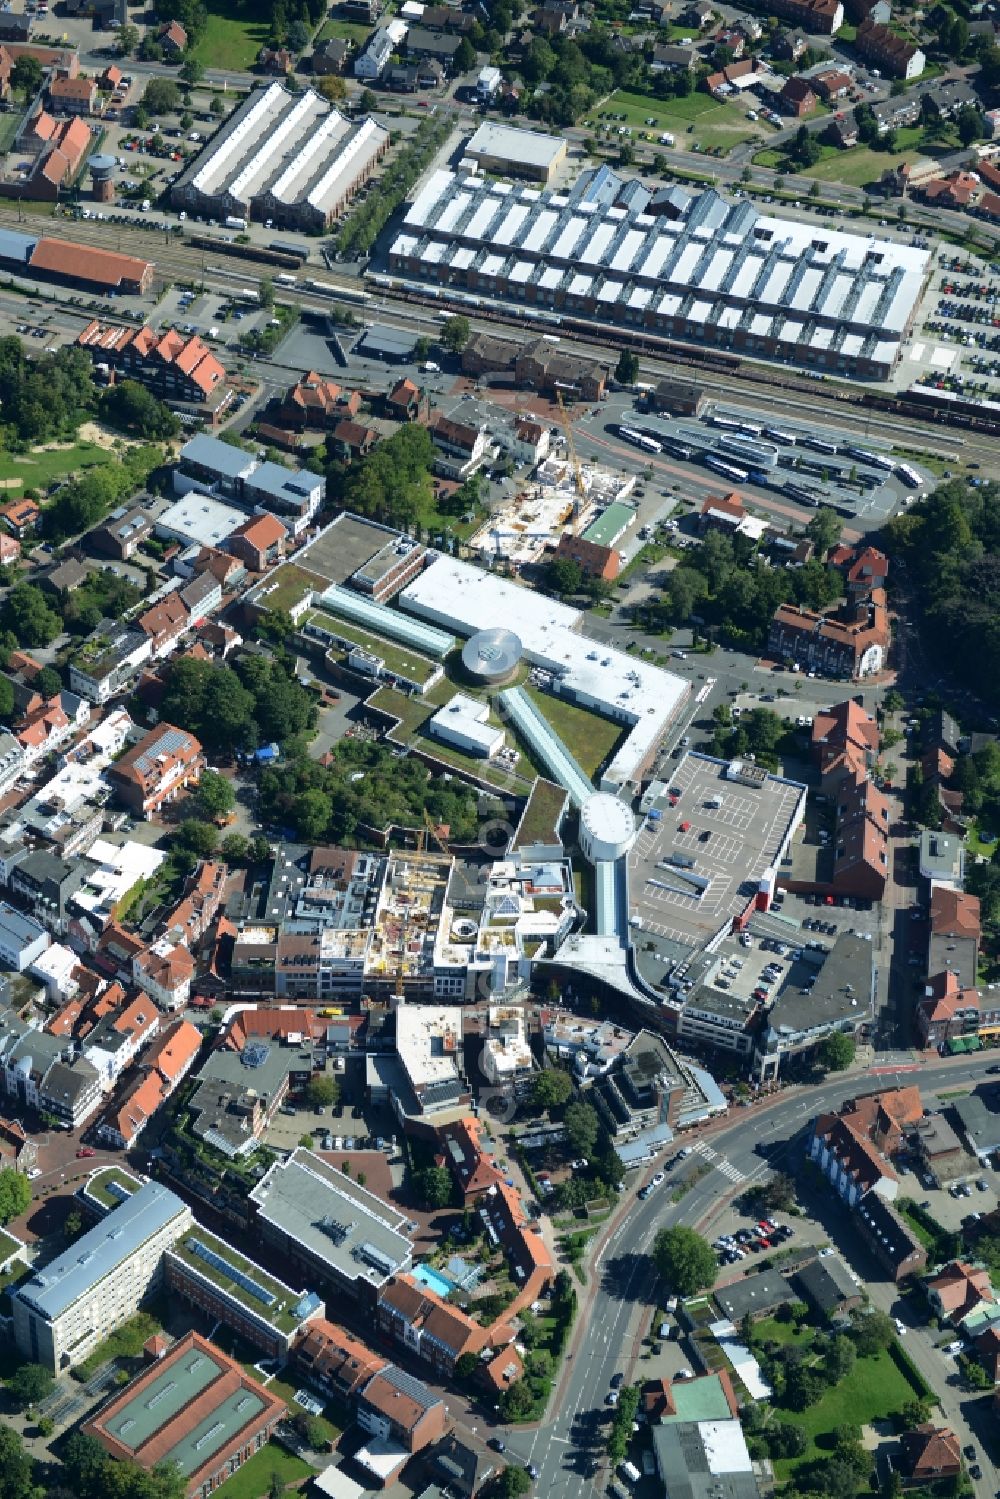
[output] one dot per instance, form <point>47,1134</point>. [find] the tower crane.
<point>571,449</point>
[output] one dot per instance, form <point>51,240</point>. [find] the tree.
<point>685,1260</point>
<point>466,1367</point>
<point>332,87</point>
<point>29,1384</point>
<point>217,107</point>
<point>971,125</point>
<point>161,95</point>
<point>315,1433</point>
<point>132,408</point>
<point>265,291</point>
<point>26,76</point>
<point>16,1467</point>
<point>563,575</point>
<point>581,1124</point>
<point>871,1331</point>
<point>15,1195</point>
<point>433,1186</point>
<point>48,681</point>
<point>191,71</point>
<point>215,795</point>
<point>455,333</point>
<point>516,1481</point>
<point>627,368</point>
<point>804,1385</point>
<point>465,56</point>
<point>823,529</point>
<point>200,839</point>
<point>839,1359</point>
<point>72,1226</point>
<point>322,1091</point>
<point>128,40</point>
<point>836,1052</point>
<point>235,848</point>
<point>551,1088</point>
<point>26,613</point>
<point>367,101</point>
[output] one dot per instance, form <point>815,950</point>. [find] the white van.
<point>630,1471</point>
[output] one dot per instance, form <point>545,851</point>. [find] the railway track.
<point>176,260</point>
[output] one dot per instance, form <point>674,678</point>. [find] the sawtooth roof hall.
<point>714,272</point>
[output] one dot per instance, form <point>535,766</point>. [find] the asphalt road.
<point>568,1447</point>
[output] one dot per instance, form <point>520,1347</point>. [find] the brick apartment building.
<point>593,560</point>
<point>174,366</point>
<point>164,762</point>
<point>831,645</point>
<point>881,47</point>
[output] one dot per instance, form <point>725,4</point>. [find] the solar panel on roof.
<point>255,1054</point>
<point>231,1271</point>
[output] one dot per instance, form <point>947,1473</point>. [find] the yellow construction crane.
<point>401,965</point>
<point>571,448</point>
<point>436,835</point>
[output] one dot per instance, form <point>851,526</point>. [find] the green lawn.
<point>875,1389</point>
<point>253,1479</point>
<point>233,34</point>
<point>414,712</point>
<point>861,165</point>
<point>702,120</point>
<point>351,31</point>
<point>40,469</point>
<point>589,738</point>
<point>126,1342</point>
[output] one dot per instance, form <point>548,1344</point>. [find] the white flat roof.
<point>529,147</point>
<point>199,518</point>
<point>635,693</point>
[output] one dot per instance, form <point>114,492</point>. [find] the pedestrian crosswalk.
<point>731,1172</point>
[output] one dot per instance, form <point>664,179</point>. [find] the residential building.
<point>896,56</point>
<point>194,1408</point>
<point>845,743</point>
<point>954,934</point>
<point>850,1163</point>
<point>22,940</point>
<point>815,16</point>
<point>946,1011</point>
<point>466,1154</point>
<point>461,448</point>
<point>165,970</point>
<point>18,1151</point>
<point>930,1453</point>
<point>46,727</point>
<point>829,1287</point>
<point>65,1310</point>
<point>798,98</point>
<point>852,647</point>
<point>108,661</point>
<point>433,1329</point>
<point>593,560</point>
<point>756,1295</point>
<point>831,84</point>
<point>47,884</point>
<point>401,1416</point>
<point>164,624</point>
<point>175,366</point>
<point>21,517</point>
<point>941,859</point>
<point>861,840</point>
<point>330,1358</point>
<point>959,1290</point>
<point>73,96</point>
<point>889,1237</point>
<point>165,1064</point>
<point>163,763</point>
<point>259,542</point>
<point>173,38</point>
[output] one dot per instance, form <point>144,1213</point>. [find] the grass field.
<point>589,738</point>
<point>414,712</point>
<point>253,1479</point>
<point>875,1389</point>
<point>40,469</point>
<point>700,119</point>
<point>233,35</point>
<point>351,31</point>
<point>861,166</point>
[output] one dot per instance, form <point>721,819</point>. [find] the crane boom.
<point>571,447</point>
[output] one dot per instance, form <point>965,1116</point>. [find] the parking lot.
<point>697,865</point>
<point>956,346</point>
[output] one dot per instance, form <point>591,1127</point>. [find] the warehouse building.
<point>506,151</point>
<point>720,273</point>
<point>289,158</point>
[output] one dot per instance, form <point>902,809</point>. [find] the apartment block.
<point>72,1305</point>
<point>152,772</point>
